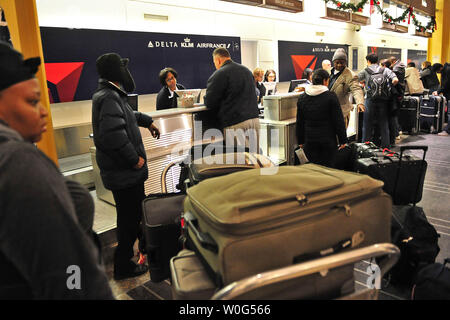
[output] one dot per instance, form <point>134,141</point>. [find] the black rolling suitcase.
<point>162,224</point>
<point>366,150</point>
<point>346,157</point>
<point>406,171</point>
<point>162,231</point>
<point>431,114</point>
<point>408,115</point>
<point>416,238</point>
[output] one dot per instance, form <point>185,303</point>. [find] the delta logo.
<point>300,63</point>
<point>62,80</point>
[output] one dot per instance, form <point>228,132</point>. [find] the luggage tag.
<point>356,239</point>
<point>301,156</point>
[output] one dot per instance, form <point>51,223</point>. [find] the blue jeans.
<point>376,111</point>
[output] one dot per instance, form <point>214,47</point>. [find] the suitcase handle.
<point>403,148</point>
<point>206,241</point>
<point>424,148</point>
<point>164,175</point>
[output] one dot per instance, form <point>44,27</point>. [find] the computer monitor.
<point>298,82</point>
<point>271,88</point>
<point>187,98</point>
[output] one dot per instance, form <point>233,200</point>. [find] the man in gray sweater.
<point>44,251</point>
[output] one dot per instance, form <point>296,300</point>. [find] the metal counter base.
<point>278,140</point>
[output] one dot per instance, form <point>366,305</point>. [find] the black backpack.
<point>432,283</point>
<point>378,87</point>
<point>417,240</point>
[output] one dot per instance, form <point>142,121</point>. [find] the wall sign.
<point>425,34</point>
<point>337,15</point>
<point>295,57</point>
<point>247,2</point>
<point>346,16</point>
<point>360,19</point>
<point>70,56</point>
<point>425,6</point>
<point>385,53</point>
<point>417,56</point>
<point>394,27</point>
<point>293,6</point>
<point>284,5</point>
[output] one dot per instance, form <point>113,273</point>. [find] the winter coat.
<point>117,138</point>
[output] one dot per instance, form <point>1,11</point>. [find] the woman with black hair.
<point>319,121</point>
<point>167,98</point>
<point>270,76</point>
<point>307,74</point>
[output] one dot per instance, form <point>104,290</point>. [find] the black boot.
<point>129,271</point>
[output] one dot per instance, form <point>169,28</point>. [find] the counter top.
<point>174,111</point>
<point>278,122</point>
<point>286,95</point>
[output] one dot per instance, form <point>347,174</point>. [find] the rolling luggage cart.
<point>270,284</point>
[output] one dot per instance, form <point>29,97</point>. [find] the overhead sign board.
<point>361,20</point>
<point>293,6</point>
<point>337,15</point>
<point>284,5</point>
<point>247,2</point>
<point>424,6</point>
<point>394,27</point>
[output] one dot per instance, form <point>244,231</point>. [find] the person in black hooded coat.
<point>120,155</point>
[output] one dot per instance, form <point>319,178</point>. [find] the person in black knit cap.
<point>121,156</point>
<point>45,222</point>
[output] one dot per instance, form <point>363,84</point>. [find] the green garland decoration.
<point>341,5</point>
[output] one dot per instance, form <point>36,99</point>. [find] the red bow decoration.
<point>409,15</point>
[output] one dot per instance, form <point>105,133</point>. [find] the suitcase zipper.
<point>292,212</point>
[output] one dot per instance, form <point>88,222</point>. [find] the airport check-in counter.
<point>178,134</point>
<point>277,141</point>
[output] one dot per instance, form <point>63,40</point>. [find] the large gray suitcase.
<point>257,220</point>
